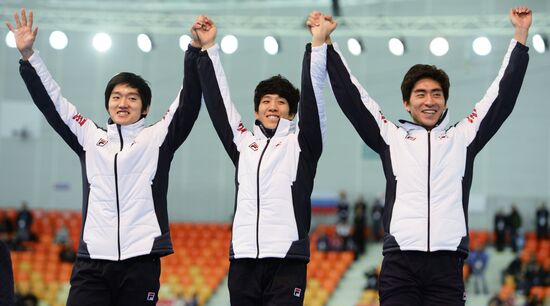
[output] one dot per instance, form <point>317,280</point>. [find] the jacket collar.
<point>439,126</point>
<point>284,128</point>
<point>129,132</point>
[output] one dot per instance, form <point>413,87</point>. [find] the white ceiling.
<point>282,17</point>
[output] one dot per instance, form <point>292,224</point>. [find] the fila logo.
<point>254,146</point>
<point>241,128</point>
<point>444,136</point>
<point>409,137</point>
<point>79,119</point>
<point>297,292</point>
<point>102,142</point>
<point>472,116</point>
<point>151,296</point>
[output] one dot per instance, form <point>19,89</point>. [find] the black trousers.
<point>411,278</point>
<point>6,276</point>
<point>132,282</point>
<point>267,282</point>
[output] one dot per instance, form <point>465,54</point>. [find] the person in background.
<point>359,226</point>
<point>541,218</point>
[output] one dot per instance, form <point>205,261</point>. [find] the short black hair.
<point>419,72</point>
<point>279,85</point>
<point>133,80</point>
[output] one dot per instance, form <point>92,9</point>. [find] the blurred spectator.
<point>505,297</point>
<point>372,279</point>
<point>67,254</point>
<point>542,222</point>
<point>359,225</point>
<point>343,233</point>
<point>500,230</point>
<point>376,214</point>
<point>514,270</point>
<point>6,227</point>
<point>193,300</point>
<point>478,260</point>
<point>25,297</point>
<point>515,228</point>
<point>179,301</point>
<point>62,235</point>
<point>6,276</point>
<point>342,208</point>
<point>23,223</point>
<point>323,242</point>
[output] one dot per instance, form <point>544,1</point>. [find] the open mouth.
<point>429,111</point>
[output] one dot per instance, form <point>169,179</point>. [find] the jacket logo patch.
<point>102,142</point>
<point>150,296</point>
<point>254,146</point>
<point>241,128</point>
<point>79,119</point>
<point>297,292</point>
<point>443,136</point>
<point>472,116</point>
<point>411,138</point>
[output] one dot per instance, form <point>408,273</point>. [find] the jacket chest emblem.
<point>101,142</point>
<point>254,146</point>
<point>410,137</point>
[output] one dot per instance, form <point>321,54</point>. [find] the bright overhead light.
<point>482,46</point>
<point>396,46</point>
<point>58,40</point>
<point>271,45</point>
<point>185,40</point>
<point>439,46</point>
<point>355,46</point>
<point>540,43</point>
<point>102,42</point>
<point>144,43</point>
<point>229,44</point>
<point>10,39</point>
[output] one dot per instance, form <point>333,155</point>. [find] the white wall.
<point>515,165</point>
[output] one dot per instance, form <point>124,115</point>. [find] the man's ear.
<point>407,105</point>
<point>146,111</point>
<point>257,115</point>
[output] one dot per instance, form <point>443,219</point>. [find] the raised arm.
<point>311,113</point>
<point>361,110</point>
<point>499,100</point>
<point>46,94</point>
<point>184,111</point>
<point>225,117</point>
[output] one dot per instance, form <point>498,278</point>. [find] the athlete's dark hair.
<point>279,85</point>
<point>134,81</point>
<point>419,72</point>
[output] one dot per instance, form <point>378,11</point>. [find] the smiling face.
<point>125,105</point>
<point>426,103</point>
<point>272,107</point>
